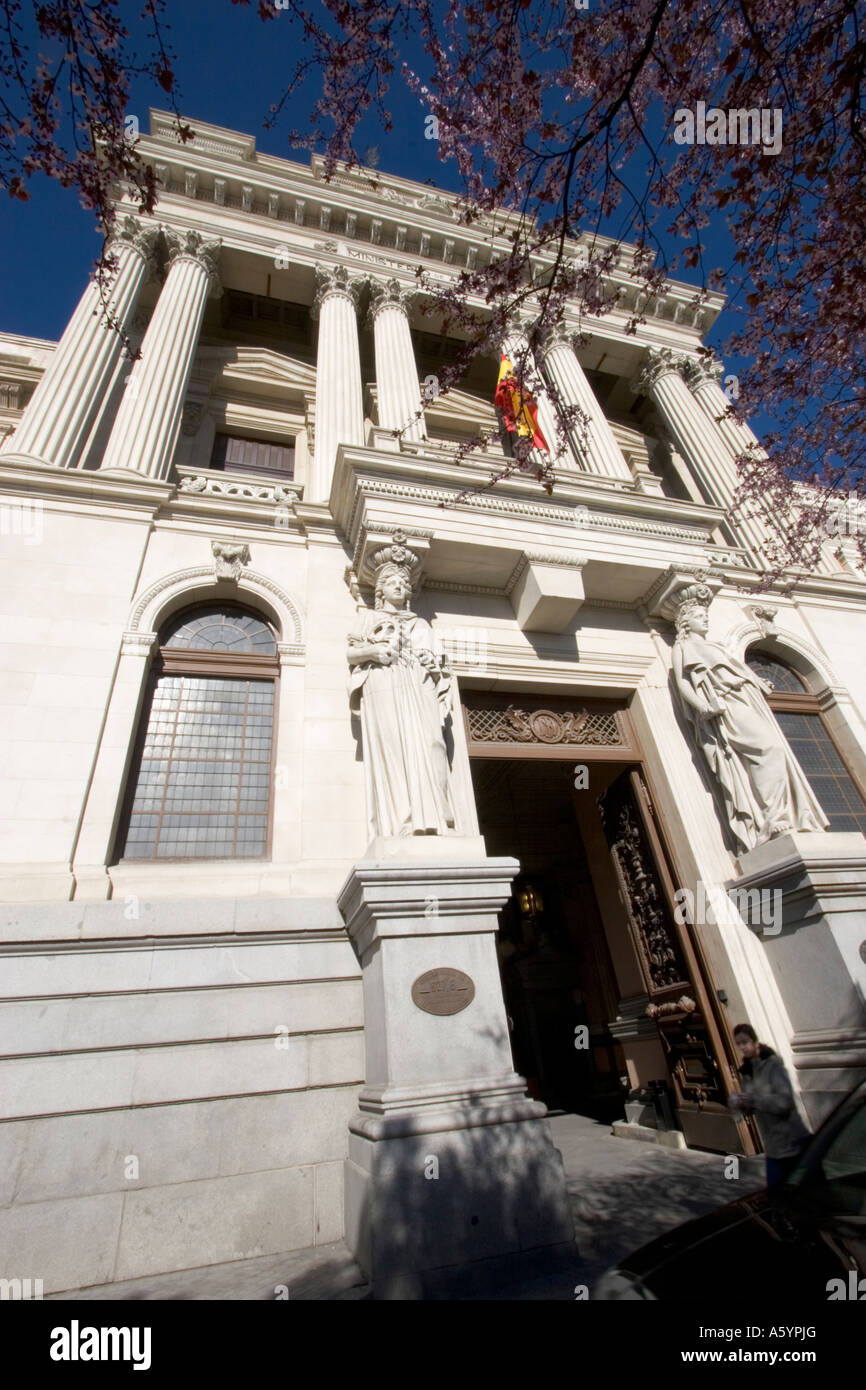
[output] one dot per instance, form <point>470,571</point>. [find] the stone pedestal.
<point>816,947</point>
<point>450,1163</point>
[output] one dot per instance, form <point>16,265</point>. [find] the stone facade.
<point>183,1039</point>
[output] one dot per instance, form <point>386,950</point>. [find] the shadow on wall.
<point>457,1207</point>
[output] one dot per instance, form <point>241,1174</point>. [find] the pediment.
<point>461,406</point>
<point>254,371</point>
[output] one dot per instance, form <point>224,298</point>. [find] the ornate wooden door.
<point>679,996</point>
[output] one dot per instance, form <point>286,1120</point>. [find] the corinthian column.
<point>516,349</point>
<point>702,378</point>
<point>339,404</point>
<point>697,438</point>
<point>62,410</point>
<point>145,431</point>
<point>694,436</point>
<point>396,373</point>
<point>596,447</point>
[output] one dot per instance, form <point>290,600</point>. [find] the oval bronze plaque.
<point>443,991</point>
<point>863,950</point>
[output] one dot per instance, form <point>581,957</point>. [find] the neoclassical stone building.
<point>284,962</point>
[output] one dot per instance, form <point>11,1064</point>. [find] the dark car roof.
<point>777,1235</point>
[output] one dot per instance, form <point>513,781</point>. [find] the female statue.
<point>402,686</point>
<point>764,788</point>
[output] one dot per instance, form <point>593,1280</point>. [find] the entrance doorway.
<point>557,976</point>
<point>603,982</point>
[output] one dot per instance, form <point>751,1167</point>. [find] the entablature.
<point>586,543</point>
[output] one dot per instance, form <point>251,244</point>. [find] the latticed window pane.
<point>827,774</point>
<point>780,676</point>
<point>203,784</point>
<point>223,629</point>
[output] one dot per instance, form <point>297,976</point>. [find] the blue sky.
<point>230,66</point>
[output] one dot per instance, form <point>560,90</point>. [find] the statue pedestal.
<point>450,1163</point>
<point>816,946</point>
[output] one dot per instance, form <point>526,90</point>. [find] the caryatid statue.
<point>401,684</point>
<point>764,788</point>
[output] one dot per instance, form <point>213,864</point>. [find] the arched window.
<point>798,714</point>
<point>201,781</point>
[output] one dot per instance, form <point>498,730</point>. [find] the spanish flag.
<point>519,410</point>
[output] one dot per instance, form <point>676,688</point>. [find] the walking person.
<point>767,1094</point>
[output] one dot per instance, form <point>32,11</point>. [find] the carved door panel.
<point>679,996</point>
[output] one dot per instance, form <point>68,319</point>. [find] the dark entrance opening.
<point>557,976</point>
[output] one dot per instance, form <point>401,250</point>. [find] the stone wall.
<point>177,1088</point>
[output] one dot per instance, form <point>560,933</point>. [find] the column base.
<point>36,883</point>
<point>422,1209</point>
<point>92,883</point>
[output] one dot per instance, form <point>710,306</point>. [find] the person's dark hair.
<point>745,1030</point>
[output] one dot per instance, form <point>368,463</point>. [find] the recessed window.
<point>237,453</point>
<point>781,677</point>
<point>799,716</point>
<point>201,787</point>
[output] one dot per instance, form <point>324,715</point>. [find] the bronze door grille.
<point>553,727</point>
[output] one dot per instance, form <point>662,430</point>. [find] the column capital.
<point>517,324</point>
<point>335,280</point>
<point>193,246</point>
<point>658,362</point>
<point>560,336</point>
<point>698,371</point>
<point>386,294</point>
<point>130,232</point>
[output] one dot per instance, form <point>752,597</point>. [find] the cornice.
<point>90,485</point>
<point>281,194</point>
<point>505,506</point>
<point>228,144</point>
<point>577,672</point>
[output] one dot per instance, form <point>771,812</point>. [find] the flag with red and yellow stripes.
<point>519,409</point>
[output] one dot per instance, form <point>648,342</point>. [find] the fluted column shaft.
<point>399,394</point>
<point>700,444</point>
<point>703,382</point>
<point>145,431</point>
<point>694,436</point>
<point>516,348</point>
<point>596,447</point>
<point>339,401</point>
<point>62,410</point>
